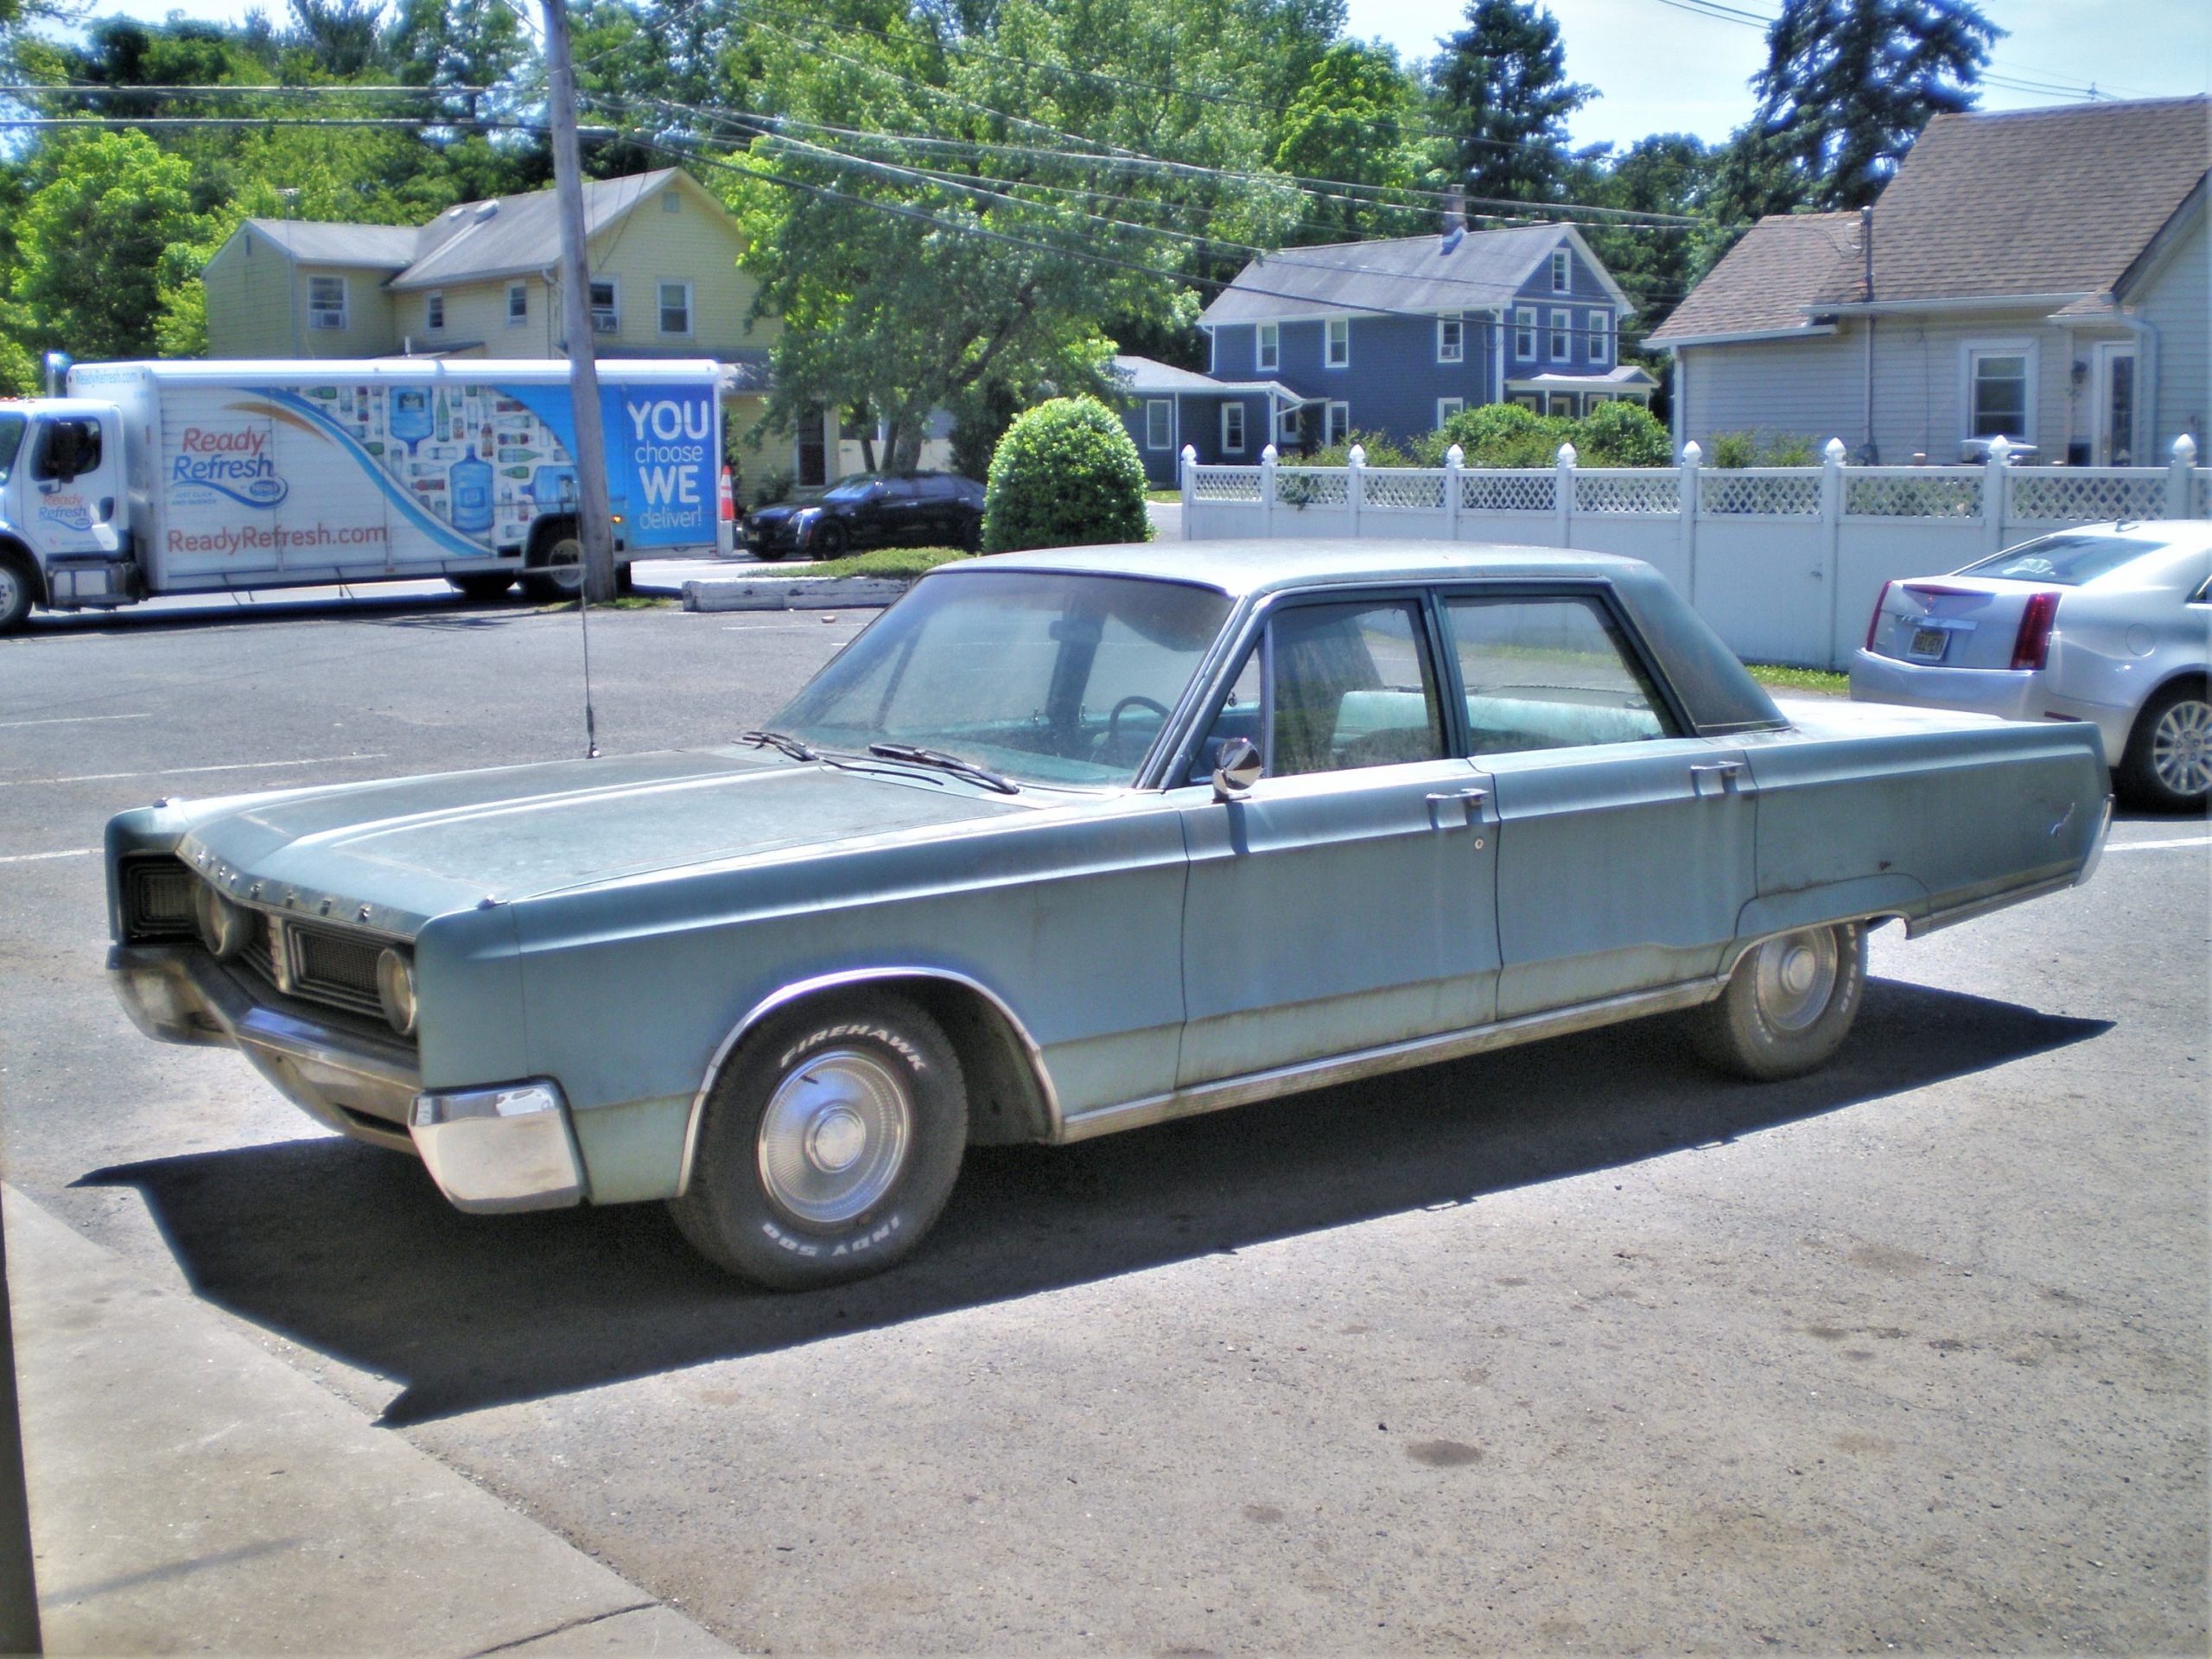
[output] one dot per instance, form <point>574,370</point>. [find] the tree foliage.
<point>1503,89</point>
<point>1066,474</point>
<point>91,238</point>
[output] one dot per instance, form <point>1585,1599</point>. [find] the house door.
<point>2116,389</point>
<point>813,448</point>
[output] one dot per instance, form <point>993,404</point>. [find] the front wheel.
<point>560,574</point>
<point>16,592</point>
<point>2168,763</point>
<point>1789,1005</point>
<point>831,1143</point>
<point>831,540</point>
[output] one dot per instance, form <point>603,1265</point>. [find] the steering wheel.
<point>1114,718</point>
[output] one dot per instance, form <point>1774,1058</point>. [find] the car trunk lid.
<point>1963,622</point>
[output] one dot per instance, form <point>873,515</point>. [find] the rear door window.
<point>1548,672</point>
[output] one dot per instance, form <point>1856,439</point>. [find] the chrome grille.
<point>334,967</point>
<point>157,898</point>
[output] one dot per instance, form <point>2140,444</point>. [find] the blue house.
<point>1224,419</point>
<point>1395,337</point>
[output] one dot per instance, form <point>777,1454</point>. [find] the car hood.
<point>412,848</point>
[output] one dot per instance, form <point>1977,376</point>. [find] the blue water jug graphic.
<point>554,486</point>
<point>410,415</point>
<point>472,493</point>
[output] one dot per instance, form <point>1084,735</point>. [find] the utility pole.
<point>595,527</point>
<point>19,1631</point>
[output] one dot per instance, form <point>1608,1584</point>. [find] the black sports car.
<point>870,509</point>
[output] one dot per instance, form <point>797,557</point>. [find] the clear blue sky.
<point>1661,69</point>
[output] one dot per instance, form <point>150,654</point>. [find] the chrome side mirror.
<point>1236,770</point>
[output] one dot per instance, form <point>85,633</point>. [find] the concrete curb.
<point>794,594</point>
<point>192,1492</point>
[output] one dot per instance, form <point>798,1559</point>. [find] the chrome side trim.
<point>1389,1057</point>
<point>1995,901</point>
<point>850,976</point>
<point>1740,949</point>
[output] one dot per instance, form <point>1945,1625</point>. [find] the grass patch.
<point>1817,681</point>
<point>1165,498</point>
<point>892,563</point>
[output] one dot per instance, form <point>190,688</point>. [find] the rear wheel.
<point>1789,1005</point>
<point>560,574</point>
<point>829,1145</point>
<point>16,589</point>
<point>2168,763</point>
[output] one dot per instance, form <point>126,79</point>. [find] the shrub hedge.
<point>1066,474</point>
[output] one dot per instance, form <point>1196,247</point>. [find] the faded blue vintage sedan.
<point>1078,842</point>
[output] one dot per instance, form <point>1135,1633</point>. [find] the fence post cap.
<point>2184,451</point>
<point>1455,456</point>
<point>1834,452</point>
<point>1567,456</point>
<point>1269,455</point>
<point>2000,450</point>
<point>1691,454</point>
<point>1191,452</point>
<point>1358,456</point>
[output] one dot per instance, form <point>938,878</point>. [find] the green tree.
<point>91,240</point>
<point>1502,84</point>
<point>1354,121</point>
<point>1848,85</point>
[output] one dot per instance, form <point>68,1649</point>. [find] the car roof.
<point>1241,568</point>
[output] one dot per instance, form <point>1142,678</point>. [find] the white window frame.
<point>1562,272</point>
<point>1266,345</point>
<point>434,311</point>
<point>612,311</point>
<point>1524,332</point>
<point>1446,408</point>
<point>1338,427</point>
<point>1563,336</point>
<point>1971,353</point>
<point>661,285</point>
<point>1289,425</point>
<point>1159,423</point>
<point>1232,429</point>
<point>518,315</point>
<point>1452,339</point>
<point>1336,343</point>
<point>320,315</point>
<point>1600,337</point>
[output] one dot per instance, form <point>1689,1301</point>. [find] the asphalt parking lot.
<point>1571,1347</point>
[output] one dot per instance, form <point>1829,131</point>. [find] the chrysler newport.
<point>1077,842</point>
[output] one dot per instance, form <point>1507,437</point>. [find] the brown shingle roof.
<point>1767,279</point>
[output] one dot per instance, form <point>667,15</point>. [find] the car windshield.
<point>11,438</point>
<point>855,488</point>
<point>2068,561</point>
<point>1046,678</point>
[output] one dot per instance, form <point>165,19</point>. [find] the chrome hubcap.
<point>835,1136</point>
<point>1794,975</point>
<point>2181,747</point>
<point>11,590</point>
<point>564,563</point>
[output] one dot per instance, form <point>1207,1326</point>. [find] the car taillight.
<point>1874,622</point>
<point>2032,646</point>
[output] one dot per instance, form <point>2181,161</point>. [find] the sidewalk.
<point>189,1491</point>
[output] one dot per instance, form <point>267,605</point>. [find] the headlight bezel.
<point>224,926</point>
<point>396,990</point>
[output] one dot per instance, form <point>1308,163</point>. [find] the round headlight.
<point>224,927</point>
<point>396,989</point>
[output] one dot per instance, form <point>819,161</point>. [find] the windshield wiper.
<point>944,762</point>
<point>789,746</point>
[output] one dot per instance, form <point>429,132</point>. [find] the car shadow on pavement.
<point>352,1251</point>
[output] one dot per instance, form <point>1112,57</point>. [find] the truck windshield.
<point>1048,679</point>
<point>11,438</point>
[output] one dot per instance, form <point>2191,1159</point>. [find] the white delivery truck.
<point>193,478</point>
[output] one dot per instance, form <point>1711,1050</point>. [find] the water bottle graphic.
<point>472,493</point>
<point>410,415</point>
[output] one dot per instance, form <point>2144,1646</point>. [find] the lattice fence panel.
<point>1517,490</point>
<point>2199,494</point>
<point>1768,494</point>
<point>1403,486</point>
<point>1911,493</point>
<point>1656,490</point>
<point>2085,492</point>
<point>1226,483</point>
<point>1313,486</point>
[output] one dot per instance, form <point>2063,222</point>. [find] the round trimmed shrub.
<point>1066,474</point>
<point>1624,433</point>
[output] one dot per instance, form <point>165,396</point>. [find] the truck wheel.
<point>16,587</point>
<point>560,574</point>
<point>831,1143</point>
<point>2168,762</point>
<point>1789,1005</point>
<point>484,587</point>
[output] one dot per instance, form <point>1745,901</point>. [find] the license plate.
<point>1928,644</point>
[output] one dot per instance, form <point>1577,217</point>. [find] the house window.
<point>1525,331</point>
<point>1268,351</point>
<point>606,305</point>
<point>326,302</point>
<point>1160,424</point>
<point>2000,391</point>
<point>1562,272</point>
<point>1446,408</point>
<point>434,312</point>
<point>1601,336</point>
<point>1290,425</point>
<point>670,201</point>
<point>1232,429</point>
<point>675,308</point>
<point>1340,431</point>
<point>1562,336</point>
<point>1562,404</point>
<point>1451,339</point>
<point>1339,348</point>
<point>517,304</point>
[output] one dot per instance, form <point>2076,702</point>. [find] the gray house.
<point>2042,275</point>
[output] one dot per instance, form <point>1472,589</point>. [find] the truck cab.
<point>64,510</point>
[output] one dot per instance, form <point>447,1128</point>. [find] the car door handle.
<point>1721,777</point>
<point>1457,809</point>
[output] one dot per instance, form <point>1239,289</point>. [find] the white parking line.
<point>181,771</point>
<point>33,858</point>
<point>69,719</point>
<point>2156,846</point>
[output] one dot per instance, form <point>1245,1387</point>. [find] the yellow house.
<point>481,280</point>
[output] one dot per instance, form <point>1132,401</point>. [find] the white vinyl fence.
<point>1784,562</point>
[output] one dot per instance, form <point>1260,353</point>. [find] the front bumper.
<point>483,1159</point>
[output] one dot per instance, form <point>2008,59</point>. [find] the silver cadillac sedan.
<point>2109,624</point>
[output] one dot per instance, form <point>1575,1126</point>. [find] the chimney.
<point>1455,217</point>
